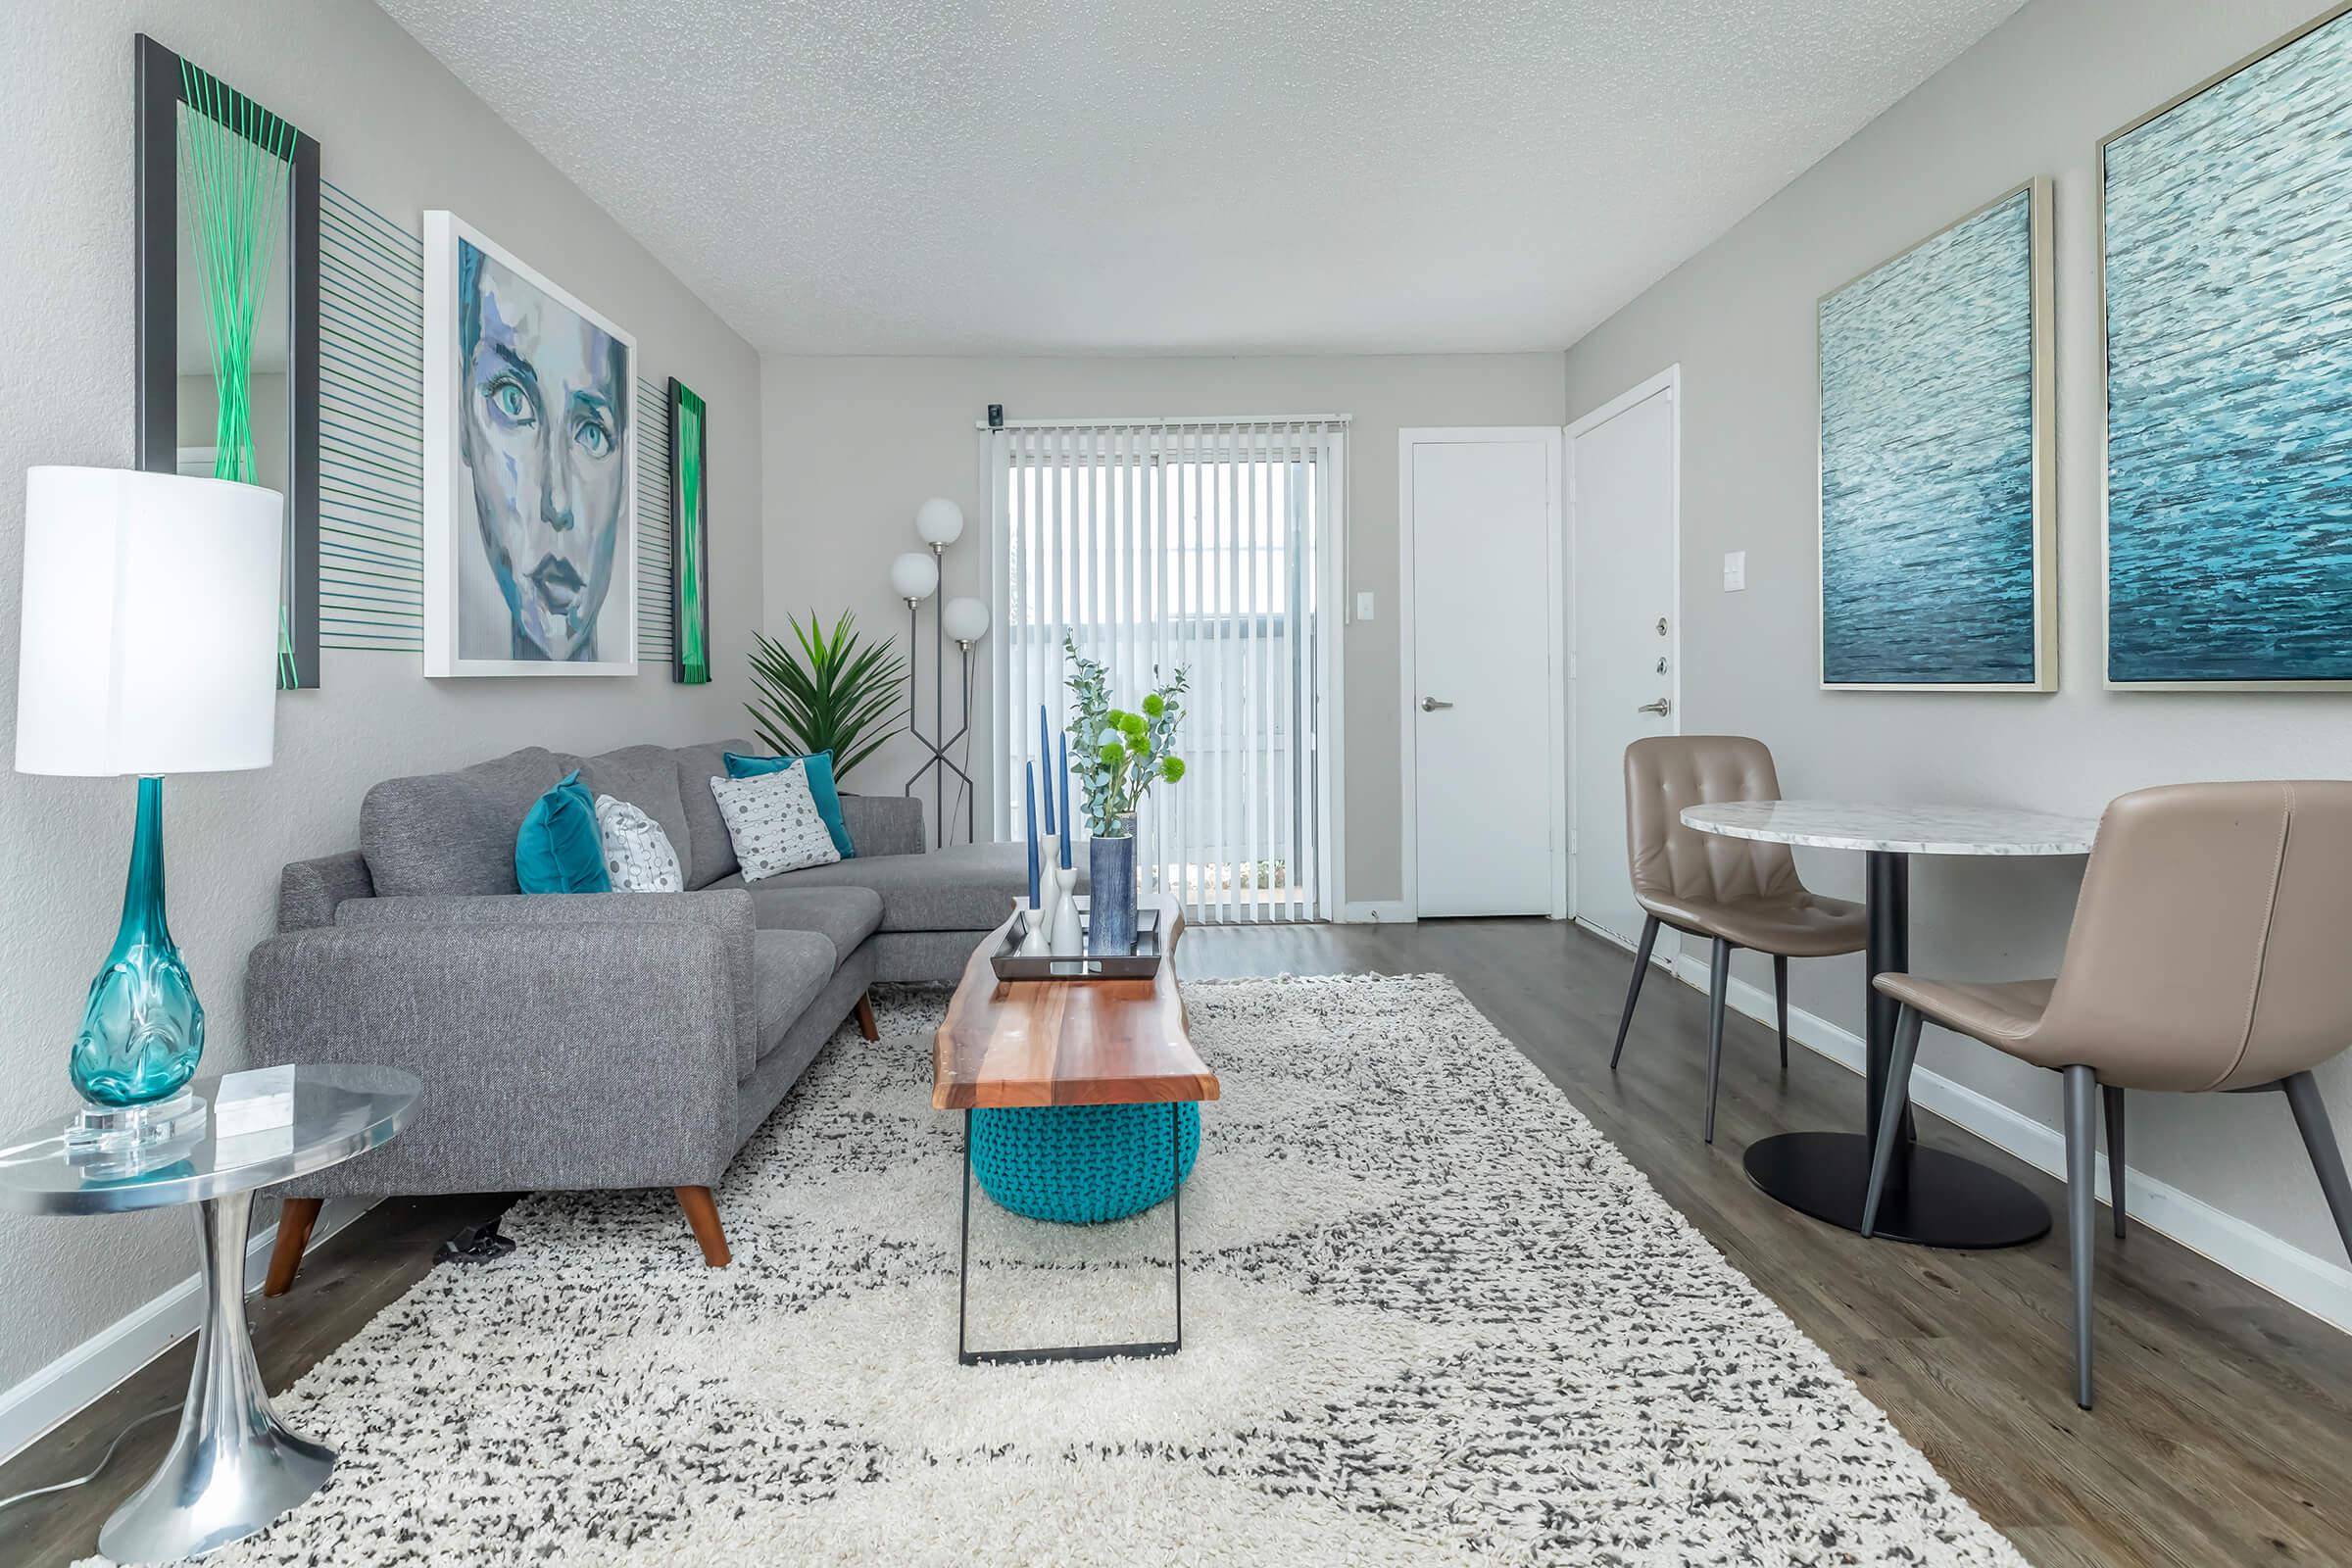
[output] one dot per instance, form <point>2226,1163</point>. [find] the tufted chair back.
<point>1669,861</point>
<point>2208,949</point>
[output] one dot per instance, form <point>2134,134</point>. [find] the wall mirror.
<point>227,236</point>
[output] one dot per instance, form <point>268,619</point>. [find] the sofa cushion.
<point>842,916</point>
<point>638,857</point>
<point>818,768</point>
<point>788,969</point>
<point>708,852</point>
<point>774,823</point>
<point>965,887</point>
<point>646,777</point>
<point>453,833</point>
<point>560,847</point>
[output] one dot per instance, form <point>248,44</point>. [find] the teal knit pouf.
<point>1080,1164</point>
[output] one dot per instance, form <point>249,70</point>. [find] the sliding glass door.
<point>1211,547</point>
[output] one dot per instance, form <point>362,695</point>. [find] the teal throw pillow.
<point>820,789</point>
<point>560,849</point>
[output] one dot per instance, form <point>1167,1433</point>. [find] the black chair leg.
<point>2327,1159</point>
<point>1633,992</point>
<point>2082,1211</point>
<point>1891,1114</point>
<point>1779,995</point>
<point>2113,1097</point>
<point>1719,982</point>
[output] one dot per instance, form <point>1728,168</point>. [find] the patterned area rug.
<point>1431,1316</point>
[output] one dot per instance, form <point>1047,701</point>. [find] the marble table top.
<point>1926,829</point>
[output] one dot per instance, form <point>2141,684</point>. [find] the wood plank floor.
<point>2225,1418</point>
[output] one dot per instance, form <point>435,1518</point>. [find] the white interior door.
<point>1625,631</point>
<point>1482,529</point>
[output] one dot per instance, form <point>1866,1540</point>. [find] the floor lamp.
<point>914,577</point>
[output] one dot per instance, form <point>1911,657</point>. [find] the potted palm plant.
<point>1117,757</point>
<point>835,692</point>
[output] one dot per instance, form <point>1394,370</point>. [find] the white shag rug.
<point>1431,1316</point>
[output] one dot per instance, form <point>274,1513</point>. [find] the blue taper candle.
<point>1044,757</point>
<point>1066,801</point>
<point>1032,770</point>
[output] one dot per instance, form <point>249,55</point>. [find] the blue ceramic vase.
<point>1110,891</point>
<point>142,1032</point>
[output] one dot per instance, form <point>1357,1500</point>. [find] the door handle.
<point>1430,704</point>
<point>1660,707</point>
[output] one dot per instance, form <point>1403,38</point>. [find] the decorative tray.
<point>1142,963</point>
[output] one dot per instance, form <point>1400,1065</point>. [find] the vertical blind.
<point>1205,545</point>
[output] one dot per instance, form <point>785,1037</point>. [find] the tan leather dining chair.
<point>1737,893</point>
<point>2208,954</point>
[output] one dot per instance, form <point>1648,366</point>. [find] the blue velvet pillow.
<point>820,789</point>
<point>560,849</point>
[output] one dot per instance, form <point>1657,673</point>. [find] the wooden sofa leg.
<point>702,1213</point>
<point>865,1017</point>
<point>295,1217</point>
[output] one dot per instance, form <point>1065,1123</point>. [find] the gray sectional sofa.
<point>591,1039</point>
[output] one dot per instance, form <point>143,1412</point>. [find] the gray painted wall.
<point>857,444</point>
<point>400,135</point>
<point>2033,98</point>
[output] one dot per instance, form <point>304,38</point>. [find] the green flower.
<point>1135,724</point>
<point>1171,768</point>
<point>1155,706</point>
<point>1110,755</point>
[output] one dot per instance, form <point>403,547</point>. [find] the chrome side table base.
<point>234,1466</point>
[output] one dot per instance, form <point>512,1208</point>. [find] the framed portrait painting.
<point>1937,480</point>
<point>530,470</point>
<point>2226,276</point>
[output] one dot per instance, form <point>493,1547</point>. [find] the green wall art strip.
<point>690,508</point>
<point>236,158</point>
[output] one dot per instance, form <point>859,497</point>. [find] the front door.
<point>1483,513</point>
<point>1622,517</point>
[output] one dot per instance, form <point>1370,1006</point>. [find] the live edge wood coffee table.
<point>1024,1042</point>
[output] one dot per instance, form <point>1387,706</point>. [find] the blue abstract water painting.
<point>1927,462</point>
<point>2230,377</point>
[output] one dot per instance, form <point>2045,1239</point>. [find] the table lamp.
<point>148,645</point>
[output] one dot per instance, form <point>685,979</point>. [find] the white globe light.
<point>915,575</point>
<point>965,620</point>
<point>939,521</point>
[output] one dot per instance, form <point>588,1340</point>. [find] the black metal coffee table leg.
<point>1932,1198</point>
<point>1143,1351</point>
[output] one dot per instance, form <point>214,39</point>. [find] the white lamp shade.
<point>939,521</point>
<point>964,620</point>
<point>149,632</point>
<point>915,575</point>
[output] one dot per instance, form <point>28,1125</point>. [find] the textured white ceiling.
<point>912,176</point>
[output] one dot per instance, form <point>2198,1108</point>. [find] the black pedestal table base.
<point>1932,1198</point>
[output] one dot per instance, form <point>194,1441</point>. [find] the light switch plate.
<point>1734,570</point>
<point>1364,606</point>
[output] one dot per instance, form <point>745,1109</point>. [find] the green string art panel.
<point>689,607</point>
<point>235,159</point>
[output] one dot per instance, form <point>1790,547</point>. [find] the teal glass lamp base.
<point>142,1030</point>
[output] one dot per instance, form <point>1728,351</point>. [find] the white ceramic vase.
<point>1068,938</point>
<point>1033,927</point>
<point>1048,855</point>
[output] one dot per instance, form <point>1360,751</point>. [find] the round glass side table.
<point>234,1466</point>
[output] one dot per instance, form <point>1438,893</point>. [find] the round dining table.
<point>1933,1198</point>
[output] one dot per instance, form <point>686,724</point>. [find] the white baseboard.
<point>1373,912</point>
<point>75,1380</point>
<point>2317,1286</point>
